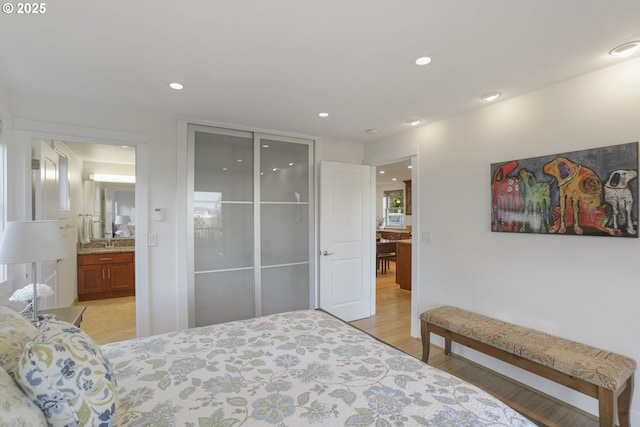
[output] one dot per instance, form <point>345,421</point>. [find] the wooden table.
<point>385,251</point>
<point>71,314</point>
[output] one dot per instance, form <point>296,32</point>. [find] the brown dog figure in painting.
<point>581,195</point>
<point>618,195</point>
<point>537,202</point>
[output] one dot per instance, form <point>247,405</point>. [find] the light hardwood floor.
<point>391,324</point>
<point>114,320</point>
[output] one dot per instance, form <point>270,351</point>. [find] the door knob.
<point>325,253</point>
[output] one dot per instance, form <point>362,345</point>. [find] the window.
<point>393,207</point>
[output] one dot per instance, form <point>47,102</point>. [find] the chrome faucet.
<point>108,244</point>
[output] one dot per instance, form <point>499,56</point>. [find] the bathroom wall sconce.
<point>100,177</point>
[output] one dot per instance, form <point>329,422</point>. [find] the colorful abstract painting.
<point>588,192</point>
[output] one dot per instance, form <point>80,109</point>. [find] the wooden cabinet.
<point>106,275</point>
<point>407,196</point>
<point>403,264</point>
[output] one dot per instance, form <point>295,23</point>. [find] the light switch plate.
<point>152,239</point>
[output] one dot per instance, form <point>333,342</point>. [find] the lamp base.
<point>28,310</point>
<point>28,313</point>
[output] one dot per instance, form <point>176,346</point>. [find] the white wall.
<point>580,287</point>
<point>164,283</point>
<point>160,131</point>
<point>340,151</point>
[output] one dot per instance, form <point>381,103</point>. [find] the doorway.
<point>102,211</point>
<point>392,302</point>
<point>394,222</point>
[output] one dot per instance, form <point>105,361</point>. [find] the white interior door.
<point>46,205</point>
<point>346,240</point>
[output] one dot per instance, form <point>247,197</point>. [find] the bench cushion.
<point>594,365</point>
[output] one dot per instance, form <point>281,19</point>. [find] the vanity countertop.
<point>89,251</point>
<point>107,246</point>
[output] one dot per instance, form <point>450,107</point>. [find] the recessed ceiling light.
<point>323,114</point>
<point>423,60</point>
<point>394,179</point>
<point>372,131</point>
<point>265,145</point>
<point>491,96</point>
<point>414,122</point>
<point>239,160</point>
<point>274,169</point>
<point>291,164</point>
<point>225,169</point>
<point>381,172</point>
<point>626,49</point>
<point>409,167</point>
<point>176,86</point>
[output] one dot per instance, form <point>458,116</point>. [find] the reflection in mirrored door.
<point>252,223</point>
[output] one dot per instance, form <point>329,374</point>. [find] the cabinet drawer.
<point>108,258</point>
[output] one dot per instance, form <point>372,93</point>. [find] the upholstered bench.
<point>603,375</point>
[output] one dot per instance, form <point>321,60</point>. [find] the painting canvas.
<point>588,192</point>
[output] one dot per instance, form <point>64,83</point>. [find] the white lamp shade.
<point>31,241</point>
<point>122,219</point>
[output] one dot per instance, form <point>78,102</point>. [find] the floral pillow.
<point>15,332</point>
<point>15,407</point>
<point>64,372</point>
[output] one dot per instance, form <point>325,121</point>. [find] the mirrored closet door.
<point>251,208</point>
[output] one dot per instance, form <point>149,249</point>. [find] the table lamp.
<point>32,241</point>
<point>122,220</point>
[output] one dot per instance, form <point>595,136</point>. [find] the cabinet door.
<point>120,277</point>
<point>92,279</point>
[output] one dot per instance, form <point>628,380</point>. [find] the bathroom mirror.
<point>108,202</point>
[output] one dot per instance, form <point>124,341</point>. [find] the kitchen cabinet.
<point>403,264</point>
<point>106,275</point>
<point>407,196</point>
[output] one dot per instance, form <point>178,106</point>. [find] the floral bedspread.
<point>289,369</point>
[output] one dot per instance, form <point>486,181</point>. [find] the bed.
<point>289,369</point>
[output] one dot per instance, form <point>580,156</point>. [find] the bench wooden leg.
<point>624,403</point>
<point>606,406</point>
<point>426,341</point>
<point>447,346</point>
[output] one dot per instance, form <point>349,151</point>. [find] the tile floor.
<point>109,320</point>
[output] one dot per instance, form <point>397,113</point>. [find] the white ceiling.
<point>101,153</point>
<point>276,64</point>
<point>394,173</point>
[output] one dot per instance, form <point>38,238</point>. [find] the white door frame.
<point>23,133</point>
<point>394,157</point>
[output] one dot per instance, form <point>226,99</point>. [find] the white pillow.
<point>64,372</point>
<point>16,331</point>
<point>16,409</point>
